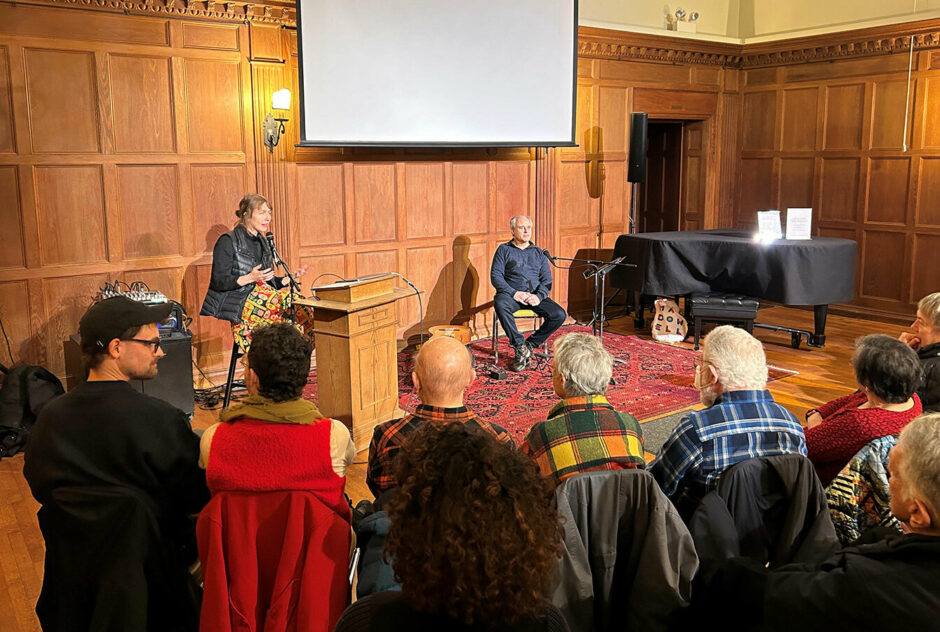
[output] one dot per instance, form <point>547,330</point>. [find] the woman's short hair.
<point>887,366</point>
<point>929,306</point>
<point>584,364</point>
<point>249,204</point>
<point>738,356</point>
<point>474,532</point>
<point>280,357</point>
<point>921,463</point>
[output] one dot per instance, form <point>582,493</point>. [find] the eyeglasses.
<point>153,344</point>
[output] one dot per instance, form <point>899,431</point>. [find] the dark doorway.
<point>659,197</point>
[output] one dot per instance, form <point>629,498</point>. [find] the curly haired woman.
<point>474,537</point>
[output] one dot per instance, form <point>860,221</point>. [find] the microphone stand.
<point>293,284</point>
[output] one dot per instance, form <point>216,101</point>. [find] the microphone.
<point>277,258</point>
<point>548,254</point>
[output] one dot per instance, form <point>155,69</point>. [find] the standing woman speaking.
<point>243,289</point>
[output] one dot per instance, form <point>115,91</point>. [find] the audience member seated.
<point>474,538</point>
<point>741,420</point>
<point>859,497</point>
<point>583,432</point>
<point>925,340</point>
<point>887,372</point>
<point>275,538</point>
<point>443,370</point>
<point>889,584</point>
<point>115,472</point>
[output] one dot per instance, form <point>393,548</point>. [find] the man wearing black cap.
<point>116,472</point>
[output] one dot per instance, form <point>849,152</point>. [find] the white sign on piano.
<point>799,223</point>
<point>768,226</point>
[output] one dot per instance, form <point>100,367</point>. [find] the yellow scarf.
<point>294,411</point>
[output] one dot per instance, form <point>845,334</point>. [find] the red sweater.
<point>846,429</point>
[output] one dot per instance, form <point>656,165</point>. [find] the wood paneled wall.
<point>831,135</point>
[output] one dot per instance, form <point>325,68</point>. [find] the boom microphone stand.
<point>294,285</point>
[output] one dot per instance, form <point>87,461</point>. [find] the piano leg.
<point>819,325</point>
<point>639,317</point>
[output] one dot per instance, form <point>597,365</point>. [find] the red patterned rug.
<point>654,379</point>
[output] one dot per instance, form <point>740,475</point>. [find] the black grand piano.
<point>813,272</point>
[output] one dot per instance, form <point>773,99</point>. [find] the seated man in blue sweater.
<point>522,279</point>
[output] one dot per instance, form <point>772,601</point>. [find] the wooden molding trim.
<point>600,43</point>
<point>268,12</point>
<point>869,42</point>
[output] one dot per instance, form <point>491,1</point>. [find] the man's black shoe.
<point>523,355</point>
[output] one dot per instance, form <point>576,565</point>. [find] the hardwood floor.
<point>823,375</point>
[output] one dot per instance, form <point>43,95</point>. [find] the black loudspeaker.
<point>636,170</point>
<point>174,381</point>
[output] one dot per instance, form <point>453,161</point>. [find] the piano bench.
<point>720,307</point>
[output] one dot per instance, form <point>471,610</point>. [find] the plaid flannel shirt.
<point>389,437</point>
<point>583,434</point>
<point>740,425</point>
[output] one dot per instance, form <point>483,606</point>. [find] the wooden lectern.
<point>354,329</point>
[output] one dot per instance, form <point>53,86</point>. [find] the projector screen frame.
<point>572,142</point>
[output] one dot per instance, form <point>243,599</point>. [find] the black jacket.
<point>234,255</point>
<point>770,509</point>
<point>929,391</point>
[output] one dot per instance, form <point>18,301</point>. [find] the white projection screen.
<point>437,72</point>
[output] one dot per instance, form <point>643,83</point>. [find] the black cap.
<point>108,319</point>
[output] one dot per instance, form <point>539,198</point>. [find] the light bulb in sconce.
<point>693,17</point>
<point>680,13</point>
<point>280,100</point>
<point>273,126</point>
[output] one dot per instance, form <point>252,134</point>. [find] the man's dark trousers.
<point>553,315</point>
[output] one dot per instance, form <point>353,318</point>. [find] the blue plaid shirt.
<point>740,425</point>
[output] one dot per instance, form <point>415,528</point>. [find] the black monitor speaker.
<point>636,170</point>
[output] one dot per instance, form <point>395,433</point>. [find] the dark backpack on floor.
<point>26,389</point>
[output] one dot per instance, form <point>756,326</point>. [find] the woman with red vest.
<point>275,538</point>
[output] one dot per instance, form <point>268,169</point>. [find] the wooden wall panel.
<point>757,189</point>
<point>928,200</point>
<point>927,279</point>
<point>211,36</point>
<point>376,262</point>
<point>575,197</point>
<point>613,118</point>
<point>615,206</point>
<point>887,116</point>
<point>11,255</point>
<point>62,95</point>
<point>888,187</point>
<point>931,114</point>
<point>472,285</point>
<point>168,280</point>
<point>839,189</point>
<point>321,205</point>
<point>512,192</point>
<point>799,119</point>
<point>796,182</point>
<point>844,111</point>
<point>470,198</point>
<point>374,199</point>
<point>212,338</point>
<point>326,265</point>
<point>71,214</point>
<point>7,140</point>
<point>760,113</point>
<point>142,104</point>
<point>214,106</point>
<point>15,314</point>
<point>883,255</point>
<point>217,189</point>
<point>149,204</point>
<point>425,267</point>
<point>65,300</point>
<point>424,199</point>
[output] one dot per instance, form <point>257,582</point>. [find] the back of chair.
<point>629,559</point>
<point>272,561</point>
<point>770,509</point>
<point>107,568</point>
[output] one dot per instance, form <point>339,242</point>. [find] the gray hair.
<point>930,307</point>
<point>584,364</point>
<point>515,218</point>
<point>738,356</point>
<point>921,463</point>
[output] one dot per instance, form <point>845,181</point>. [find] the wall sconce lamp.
<point>272,127</point>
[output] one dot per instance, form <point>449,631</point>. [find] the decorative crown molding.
<point>271,12</point>
<point>600,43</point>
<point>869,42</point>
